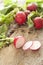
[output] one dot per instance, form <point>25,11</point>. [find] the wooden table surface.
<point>12,56</point>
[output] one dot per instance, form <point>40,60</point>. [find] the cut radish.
<point>36,45</point>
<point>19,41</point>
<point>27,45</point>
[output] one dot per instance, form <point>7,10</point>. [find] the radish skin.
<point>19,41</point>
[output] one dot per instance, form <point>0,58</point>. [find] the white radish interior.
<point>36,45</point>
<point>20,42</point>
<point>27,45</point>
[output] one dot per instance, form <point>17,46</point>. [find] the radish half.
<point>27,45</point>
<point>36,45</point>
<point>19,41</point>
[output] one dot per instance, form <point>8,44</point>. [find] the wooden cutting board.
<point>12,56</point>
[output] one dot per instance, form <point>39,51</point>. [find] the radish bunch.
<point>22,16</point>
<point>20,41</point>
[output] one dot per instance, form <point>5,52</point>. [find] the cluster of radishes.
<point>20,41</point>
<point>21,16</point>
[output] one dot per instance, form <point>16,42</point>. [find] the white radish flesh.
<point>19,41</point>
<point>36,45</point>
<point>27,45</point>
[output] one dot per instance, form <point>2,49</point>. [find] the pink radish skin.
<point>19,41</point>
<point>38,22</point>
<point>27,45</point>
<point>20,18</point>
<point>27,12</point>
<point>32,7</point>
<point>35,46</point>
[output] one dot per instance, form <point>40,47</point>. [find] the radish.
<point>32,7</point>
<point>36,45</point>
<point>27,12</point>
<point>42,22</point>
<point>38,22</point>
<point>20,18</point>
<point>19,41</point>
<point>27,45</point>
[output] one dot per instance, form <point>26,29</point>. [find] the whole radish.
<point>42,22</point>
<point>32,7</point>
<point>19,41</point>
<point>38,22</point>
<point>27,12</point>
<point>20,18</point>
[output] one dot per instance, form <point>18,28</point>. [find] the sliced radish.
<point>36,45</point>
<point>27,45</point>
<point>19,41</point>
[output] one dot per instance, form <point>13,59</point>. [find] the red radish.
<point>32,7</point>
<point>27,45</point>
<point>19,41</point>
<point>36,45</point>
<point>42,22</point>
<point>27,12</point>
<point>38,22</point>
<point>20,17</point>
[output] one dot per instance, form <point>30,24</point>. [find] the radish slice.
<point>27,45</point>
<point>36,45</point>
<point>19,41</point>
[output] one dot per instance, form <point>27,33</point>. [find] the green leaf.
<point>10,16</point>
<point>3,29</point>
<point>30,23</point>
<point>33,0</point>
<point>2,17</point>
<point>5,41</point>
<point>2,36</point>
<point>33,14</point>
<point>40,8</point>
<point>8,9</point>
<point>7,2</point>
<point>2,44</point>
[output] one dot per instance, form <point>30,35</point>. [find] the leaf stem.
<point>6,39</point>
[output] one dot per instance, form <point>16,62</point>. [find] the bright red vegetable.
<point>27,12</point>
<point>38,22</point>
<point>32,7</point>
<point>20,18</point>
<point>42,22</point>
